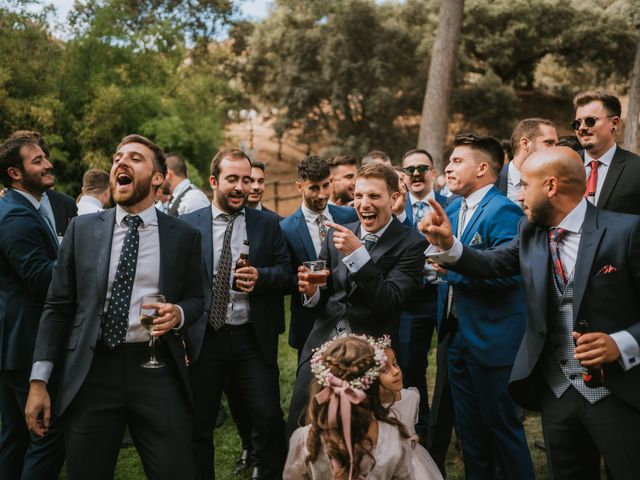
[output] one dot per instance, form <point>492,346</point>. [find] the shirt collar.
<point>181,187</point>
<point>605,159</point>
<point>575,218</point>
<point>310,216</point>
<point>513,172</point>
<point>259,206</point>
<point>476,197</point>
<point>379,233</point>
<point>149,216</point>
<point>413,200</point>
<point>32,200</point>
<point>216,212</point>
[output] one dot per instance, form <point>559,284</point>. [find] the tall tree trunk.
<point>631,129</point>
<point>435,109</point>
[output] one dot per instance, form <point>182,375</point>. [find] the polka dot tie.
<point>220,288</point>
<point>115,327</point>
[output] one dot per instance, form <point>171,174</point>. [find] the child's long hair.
<point>347,358</point>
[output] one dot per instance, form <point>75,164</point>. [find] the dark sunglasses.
<point>588,121</point>
<point>422,169</point>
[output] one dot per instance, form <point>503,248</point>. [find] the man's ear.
<point>213,182</point>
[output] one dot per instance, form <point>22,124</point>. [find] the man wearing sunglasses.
<point>613,174</point>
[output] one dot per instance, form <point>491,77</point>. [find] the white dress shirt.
<point>513,183</point>
<point>310,217</point>
<point>193,200</point>
<point>605,161</point>
<point>473,200</point>
<point>89,204</point>
<point>629,348</point>
<point>238,307</point>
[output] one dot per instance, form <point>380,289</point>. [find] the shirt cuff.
<point>312,301</point>
<point>629,349</point>
<point>356,260</point>
<point>402,217</point>
<point>181,318</point>
<point>447,257</point>
<point>41,371</point>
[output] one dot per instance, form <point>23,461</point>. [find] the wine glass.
<point>147,315</point>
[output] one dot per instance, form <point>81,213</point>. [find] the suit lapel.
<point>613,174</point>
<point>103,236</point>
<point>540,266</point>
<point>302,231</point>
<point>390,238</point>
<point>205,227</point>
<point>168,246</point>
<point>476,215</point>
<point>253,222</point>
<point>589,242</point>
<point>408,209</point>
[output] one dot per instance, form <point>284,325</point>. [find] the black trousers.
<point>232,354</point>
<point>299,398</point>
<point>577,433</point>
<point>23,455</point>
<point>240,415</point>
<point>119,392</point>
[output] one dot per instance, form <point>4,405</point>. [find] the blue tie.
<point>43,212</point>
<point>117,322</point>
<point>420,206</point>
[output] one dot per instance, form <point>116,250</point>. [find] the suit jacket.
<point>301,249</point>
<point>372,298</point>
<point>502,183</point>
<point>268,253</point>
<point>28,252</point>
<point>609,302</point>
<point>621,188</point>
<point>64,209</point>
<point>492,314</point>
<point>70,325</point>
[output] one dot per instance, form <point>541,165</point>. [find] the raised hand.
<point>436,227</point>
<point>344,239</point>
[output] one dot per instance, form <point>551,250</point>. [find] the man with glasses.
<point>613,174</point>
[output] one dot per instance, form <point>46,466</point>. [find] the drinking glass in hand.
<point>317,275</point>
<point>147,315</point>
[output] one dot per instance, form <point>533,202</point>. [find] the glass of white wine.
<point>147,315</point>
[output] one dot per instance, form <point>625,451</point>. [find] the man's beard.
<point>140,192</point>
<point>34,184</point>
<point>223,202</point>
<point>541,214</point>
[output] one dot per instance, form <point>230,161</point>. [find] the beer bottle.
<point>593,377</point>
<point>243,261</point>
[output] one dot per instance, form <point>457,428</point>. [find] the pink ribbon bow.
<point>339,392</point>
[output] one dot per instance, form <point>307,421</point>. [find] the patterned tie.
<point>420,211</point>
<point>592,181</point>
<point>115,327</point>
<point>369,241</point>
<point>555,236</point>
<point>220,289</point>
<point>322,228</point>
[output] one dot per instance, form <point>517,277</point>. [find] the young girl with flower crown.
<point>349,434</point>
<point>403,404</point>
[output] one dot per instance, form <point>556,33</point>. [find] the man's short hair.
<point>485,144</point>
<point>95,181</point>
<point>339,160</point>
<point>374,155</point>
<point>506,148</point>
<point>177,165</point>
<point>258,164</point>
<point>528,128</point>
<point>570,141</point>
<point>10,156</point>
<point>420,151</point>
<point>610,102</point>
<point>313,168</point>
<point>381,171</point>
<point>159,160</point>
<point>35,136</point>
<point>231,154</point>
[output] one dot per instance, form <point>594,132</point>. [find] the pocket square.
<point>607,269</point>
<point>476,240</point>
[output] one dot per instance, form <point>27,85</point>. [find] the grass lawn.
<point>228,444</point>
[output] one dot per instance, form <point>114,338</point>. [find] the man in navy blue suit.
<point>486,319</point>
<point>28,250</point>
<point>236,338</point>
<point>305,231</point>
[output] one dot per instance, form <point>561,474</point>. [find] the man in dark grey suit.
<point>90,331</point>
<point>579,264</point>
<point>375,264</point>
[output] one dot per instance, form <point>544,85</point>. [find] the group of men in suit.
<point>503,284</point>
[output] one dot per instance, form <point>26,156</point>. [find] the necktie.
<point>43,212</point>
<point>115,327</point>
<point>592,181</point>
<point>463,217</point>
<point>369,241</point>
<point>322,228</point>
<point>420,210</point>
<point>555,235</point>
<point>220,289</point>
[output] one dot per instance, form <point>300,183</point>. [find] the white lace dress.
<point>421,465</point>
<point>389,454</point>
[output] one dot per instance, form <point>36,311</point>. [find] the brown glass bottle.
<point>243,261</point>
<point>593,377</point>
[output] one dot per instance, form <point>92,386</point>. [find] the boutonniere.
<point>607,269</point>
<point>476,240</point>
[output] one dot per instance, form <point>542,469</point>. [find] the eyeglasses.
<point>422,169</point>
<point>588,121</point>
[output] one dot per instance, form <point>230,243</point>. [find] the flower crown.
<point>323,373</point>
